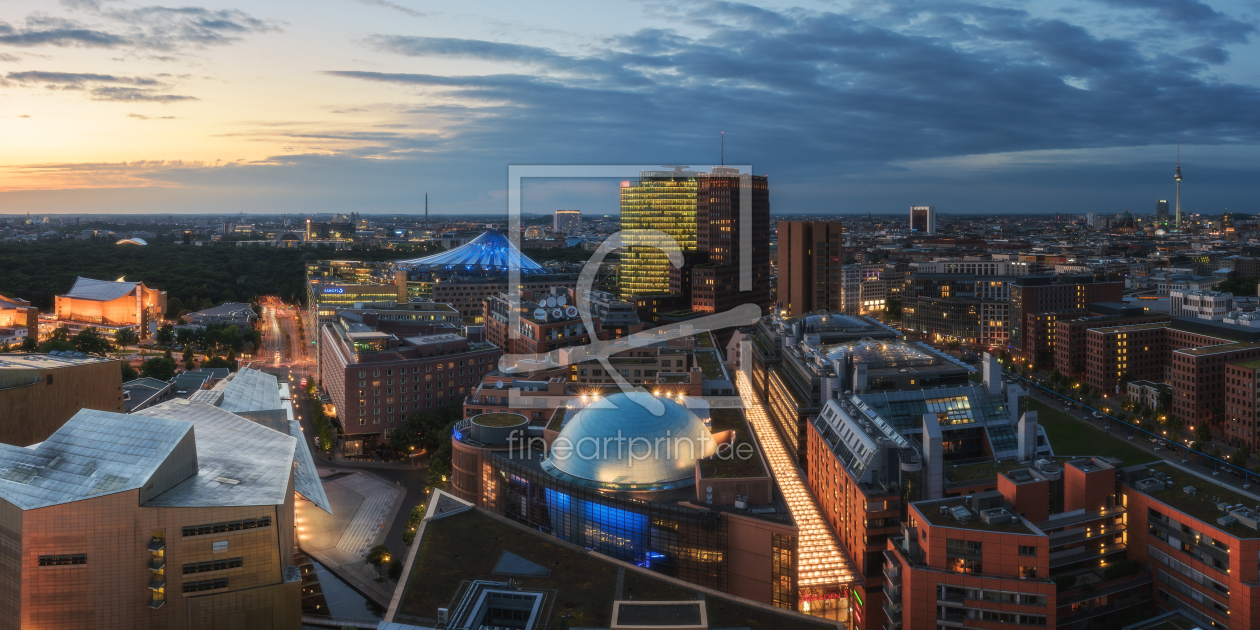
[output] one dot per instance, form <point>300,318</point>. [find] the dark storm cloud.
<point>1192,17</point>
<point>808,89</point>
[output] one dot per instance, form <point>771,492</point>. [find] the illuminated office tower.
<point>720,230</point>
<point>1161,212</point>
<point>658,200</point>
<point>923,219</point>
<point>567,221</point>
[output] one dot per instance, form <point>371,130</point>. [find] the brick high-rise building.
<point>810,258</point>
<point>1033,295</point>
<point>720,230</point>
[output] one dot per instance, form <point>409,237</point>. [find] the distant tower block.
<point>923,219</point>
<point>567,221</point>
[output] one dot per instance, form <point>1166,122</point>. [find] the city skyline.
<point>364,106</point>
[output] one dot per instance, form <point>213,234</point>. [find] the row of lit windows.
<point>219,528</point>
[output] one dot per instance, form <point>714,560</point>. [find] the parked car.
<point>1097,415</point>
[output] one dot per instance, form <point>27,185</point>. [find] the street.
<point>1140,439</point>
<point>299,364</point>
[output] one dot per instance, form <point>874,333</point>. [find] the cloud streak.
<point>101,87</point>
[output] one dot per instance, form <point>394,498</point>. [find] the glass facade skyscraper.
<point>659,200</point>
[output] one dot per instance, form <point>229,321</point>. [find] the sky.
<point>319,106</point>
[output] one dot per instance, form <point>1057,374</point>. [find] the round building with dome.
<point>632,443</point>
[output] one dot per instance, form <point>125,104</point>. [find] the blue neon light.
<point>334,289</point>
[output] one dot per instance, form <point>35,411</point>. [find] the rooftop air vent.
<point>1190,490</point>
<point>960,513</point>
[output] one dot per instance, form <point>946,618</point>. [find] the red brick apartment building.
<point>1036,295</point>
<point>377,379</point>
<point>1070,351</point>
<point>1206,363</point>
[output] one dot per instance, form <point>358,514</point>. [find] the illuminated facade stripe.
<point>822,561</point>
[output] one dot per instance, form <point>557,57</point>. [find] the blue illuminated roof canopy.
<point>492,251</point>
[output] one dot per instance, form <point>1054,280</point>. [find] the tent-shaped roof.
<point>492,251</point>
<point>102,290</point>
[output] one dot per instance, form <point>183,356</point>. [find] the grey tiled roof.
<point>92,454</point>
<point>229,449</point>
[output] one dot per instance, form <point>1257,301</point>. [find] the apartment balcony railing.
<point>157,564</point>
<point>1076,554</point>
<point>157,544</point>
<point>157,602</point>
<point>157,583</point>
<point>892,611</point>
<point>892,592</point>
<point>951,619</point>
<point>1069,536</point>
<point>949,598</point>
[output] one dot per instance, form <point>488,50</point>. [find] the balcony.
<point>157,564</point>
<point>157,602</point>
<point>1078,534</point>
<point>1077,554</point>
<point>949,598</point>
<point>157,583</point>
<point>892,592</point>
<point>157,544</point>
<point>951,619</point>
<point>893,612</point>
<point>892,625</point>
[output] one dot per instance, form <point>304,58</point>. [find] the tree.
<point>166,335</point>
<point>378,556</point>
<point>219,362</point>
<point>1202,433</point>
<point>189,355</point>
<point>29,344</point>
<point>128,373</point>
<point>160,368</point>
<point>395,569</point>
<point>90,341</point>
<point>413,520</point>
<point>1175,423</point>
<point>125,337</point>
<point>60,333</point>
<point>1241,455</point>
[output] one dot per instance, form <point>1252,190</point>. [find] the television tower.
<point>1177,177</point>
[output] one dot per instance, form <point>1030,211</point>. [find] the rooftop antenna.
<point>724,149</point>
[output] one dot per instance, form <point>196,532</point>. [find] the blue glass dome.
<point>492,251</point>
<point>616,443</point>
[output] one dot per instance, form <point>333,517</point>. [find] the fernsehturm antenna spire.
<point>1177,177</point>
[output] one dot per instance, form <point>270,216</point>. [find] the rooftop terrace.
<point>468,546</point>
<point>1202,504</point>
<point>931,511</point>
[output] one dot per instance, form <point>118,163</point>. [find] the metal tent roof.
<point>492,251</point>
<point>103,290</point>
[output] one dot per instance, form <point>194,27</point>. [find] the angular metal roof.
<point>239,462</point>
<point>102,290</point>
<point>93,454</point>
<point>492,251</point>
<point>251,390</point>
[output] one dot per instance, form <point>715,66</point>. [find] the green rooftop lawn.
<point>704,340</point>
<point>710,364</point>
<point>1071,437</point>
<point>982,471</point>
<point>733,467</point>
<point>499,419</point>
